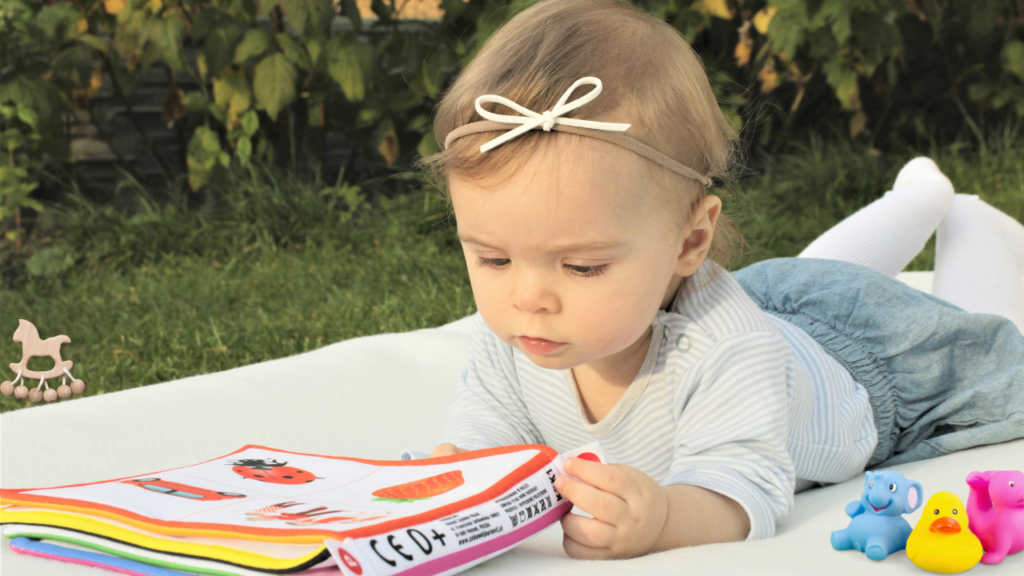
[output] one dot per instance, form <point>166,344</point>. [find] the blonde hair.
<point>652,79</point>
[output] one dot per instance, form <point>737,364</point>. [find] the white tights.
<point>979,252</point>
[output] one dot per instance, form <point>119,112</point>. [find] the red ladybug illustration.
<point>270,470</point>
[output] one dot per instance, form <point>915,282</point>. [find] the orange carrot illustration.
<point>421,489</point>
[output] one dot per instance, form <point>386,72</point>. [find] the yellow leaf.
<point>388,147</point>
<point>745,45</point>
<point>719,8</point>
<point>857,123</point>
<point>769,81</point>
<point>96,82</point>
<point>769,77</point>
<point>83,25</point>
<point>113,7</point>
<point>201,64</point>
<point>742,52</point>
<point>764,17</point>
<point>155,5</point>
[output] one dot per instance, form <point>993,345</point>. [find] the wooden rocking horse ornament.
<point>32,345</point>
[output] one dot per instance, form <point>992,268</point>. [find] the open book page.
<point>465,538</point>
<point>261,510</point>
<point>274,495</point>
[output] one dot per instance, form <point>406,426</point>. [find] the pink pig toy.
<point>995,510</point>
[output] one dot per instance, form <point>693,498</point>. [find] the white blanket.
<point>374,397</point>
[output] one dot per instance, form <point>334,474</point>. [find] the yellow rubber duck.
<point>941,541</point>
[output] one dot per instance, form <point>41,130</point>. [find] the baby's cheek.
<point>621,324</point>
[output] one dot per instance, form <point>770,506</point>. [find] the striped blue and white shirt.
<point>728,398</point>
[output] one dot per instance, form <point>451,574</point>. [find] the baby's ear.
<point>701,232</point>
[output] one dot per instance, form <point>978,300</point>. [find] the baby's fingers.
<point>600,504</point>
<point>588,532</point>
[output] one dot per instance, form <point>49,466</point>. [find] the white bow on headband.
<point>549,118</point>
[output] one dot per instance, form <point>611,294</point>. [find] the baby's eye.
<point>491,262</point>
<point>587,270</point>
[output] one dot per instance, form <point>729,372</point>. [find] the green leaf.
<point>979,91</point>
<point>787,26</point>
<point>844,82</point>
<point>244,149</point>
<point>219,46</point>
<point>195,102</point>
<point>431,72</point>
<point>167,34</point>
<point>418,122</point>
<point>274,83</point>
<point>253,44</point>
<point>244,10</point>
<point>250,122</point>
<point>203,153</point>
<point>837,14</point>
<point>428,144</point>
<point>352,12</point>
<point>348,64</point>
<point>51,261</point>
<point>293,52</point>
<point>314,48</point>
<point>1003,96</point>
<point>1013,58</point>
<point>28,116</point>
<point>203,22</point>
<point>382,10</point>
<point>231,92</point>
<point>210,142</point>
<point>309,16</point>
<point>225,159</point>
<point>95,42</point>
<point>452,8</point>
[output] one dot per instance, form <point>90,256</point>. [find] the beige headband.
<point>551,120</point>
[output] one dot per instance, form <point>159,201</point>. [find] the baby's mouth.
<point>539,345</point>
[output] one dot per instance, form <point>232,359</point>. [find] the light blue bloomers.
<point>940,379</point>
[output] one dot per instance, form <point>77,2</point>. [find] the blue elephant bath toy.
<point>877,527</point>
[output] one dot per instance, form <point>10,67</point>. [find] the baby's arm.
<point>634,515</point>
<point>488,410</point>
<point>732,430</point>
<point>731,478</point>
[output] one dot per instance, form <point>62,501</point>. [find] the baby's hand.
<point>629,509</point>
<point>446,449</point>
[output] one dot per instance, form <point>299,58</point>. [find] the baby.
<point>605,311</point>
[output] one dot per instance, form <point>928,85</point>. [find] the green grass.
<point>276,266</point>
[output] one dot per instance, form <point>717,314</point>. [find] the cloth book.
<point>261,510</point>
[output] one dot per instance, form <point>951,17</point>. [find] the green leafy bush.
<point>271,85</point>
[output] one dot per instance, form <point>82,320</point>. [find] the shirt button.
<point>683,343</point>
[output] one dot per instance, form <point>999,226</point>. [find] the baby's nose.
<point>532,295</point>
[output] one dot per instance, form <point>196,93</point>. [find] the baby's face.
<point>571,249</point>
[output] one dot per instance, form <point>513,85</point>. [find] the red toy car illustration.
<point>270,470</point>
<point>182,490</point>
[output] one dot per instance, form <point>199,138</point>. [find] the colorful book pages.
<point>244,554</point>
<point>260,510</point>
<point>271,495</point>
<point>25,545</point>
<point>71,539</point>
